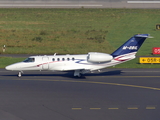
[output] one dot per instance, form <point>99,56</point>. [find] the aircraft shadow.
<point>67,74</point>
<point>106,73</point>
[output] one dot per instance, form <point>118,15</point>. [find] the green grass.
<point>75,31</point>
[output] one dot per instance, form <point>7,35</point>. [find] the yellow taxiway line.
<point>102,83</point>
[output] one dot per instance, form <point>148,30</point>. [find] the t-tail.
<point>129,49</point>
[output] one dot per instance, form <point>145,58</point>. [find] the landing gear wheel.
<point>77,73</point>
<point>80,75</point>
<point>19,74</point>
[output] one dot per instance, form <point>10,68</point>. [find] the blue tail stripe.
<point>132,45</point>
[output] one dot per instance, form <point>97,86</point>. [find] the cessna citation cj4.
<point>84,63</point>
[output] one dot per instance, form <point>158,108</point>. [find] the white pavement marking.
<point>44,5</point>
<point>143,1</point>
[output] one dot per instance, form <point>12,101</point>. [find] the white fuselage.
<point>66,63</point>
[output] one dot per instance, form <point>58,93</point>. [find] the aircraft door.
<point>45,65</point>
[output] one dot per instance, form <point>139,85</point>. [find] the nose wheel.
<point>20,74</point>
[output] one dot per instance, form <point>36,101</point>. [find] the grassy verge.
<point>75,31</point>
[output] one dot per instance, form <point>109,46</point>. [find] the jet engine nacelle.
<point>99,57</point>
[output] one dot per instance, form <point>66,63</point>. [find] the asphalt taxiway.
<point>79,4</point>
<point>115,94</point>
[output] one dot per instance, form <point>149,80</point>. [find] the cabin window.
<point>73,59</point>
<point>53,59</point>
<point>63,59</point>
<point>29,60</point>
<point>68,59</point>
<point>58,59</point>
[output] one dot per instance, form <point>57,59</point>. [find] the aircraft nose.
<point>14,67</point>
<point>9,67</point>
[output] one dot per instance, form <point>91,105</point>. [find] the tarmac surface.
<point>79,4</point>
<point>114,94</point>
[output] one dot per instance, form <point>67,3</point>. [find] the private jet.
<point>83,63</point>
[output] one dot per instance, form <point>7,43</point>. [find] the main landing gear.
<point>78,73</point>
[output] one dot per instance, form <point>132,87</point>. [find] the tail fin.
<point>132,45</point>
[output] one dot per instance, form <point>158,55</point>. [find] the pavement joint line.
<point>103,83</point>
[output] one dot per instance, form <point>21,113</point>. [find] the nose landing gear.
<point>20,74</point>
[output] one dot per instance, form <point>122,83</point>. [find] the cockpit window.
<point>29,60</point>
